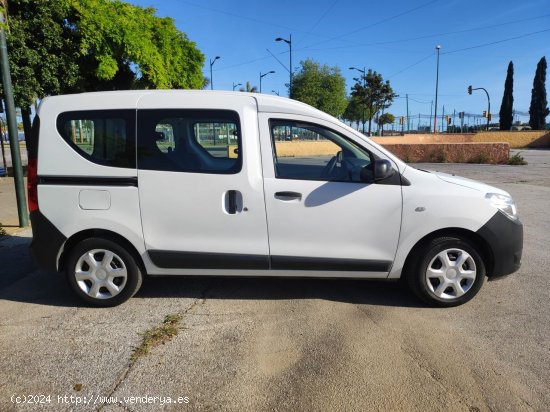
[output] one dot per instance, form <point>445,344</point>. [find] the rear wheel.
<point>102,273</point>
<point>448,272</point>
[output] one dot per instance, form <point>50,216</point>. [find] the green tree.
<point>374,93</point>
<point>506,115</point>
<point>354,111</point>
<point>41,52</point>
<point>322,87</point>
<point>249,88</point>
<point>538,110</point>
<point>385,118</point>
<point>64,46</point>
<point>129,46</point>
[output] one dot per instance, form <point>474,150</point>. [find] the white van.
<point>134,183</point>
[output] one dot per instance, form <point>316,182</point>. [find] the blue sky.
<point>396,38</point>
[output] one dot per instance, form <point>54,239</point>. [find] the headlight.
<point>503,203</point>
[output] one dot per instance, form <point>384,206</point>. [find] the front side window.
<point>195,141</point>
<point>106,137</point>
<point>307,151</point>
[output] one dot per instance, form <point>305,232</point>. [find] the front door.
<point>201,195</point>
<point>323,217</point>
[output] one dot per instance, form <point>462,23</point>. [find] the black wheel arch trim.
<point>500,243</point>
<point>472,237</point>
<point>47,242</point>
<point>77,237</point>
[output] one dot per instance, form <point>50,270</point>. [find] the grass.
<point>481,158</point>
<point>517,160</point>
<point>441,156</point>
<point>2,231</point>
<point>158,335</point>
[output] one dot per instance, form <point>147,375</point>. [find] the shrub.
<point>480,158</point>
<point>441,156</point>
<point>517,160</point>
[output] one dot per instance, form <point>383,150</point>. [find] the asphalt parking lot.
<point>288,344</point>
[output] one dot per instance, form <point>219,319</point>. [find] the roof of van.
<point>265,102</point>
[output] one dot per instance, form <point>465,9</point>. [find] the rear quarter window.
<point>105,137</point>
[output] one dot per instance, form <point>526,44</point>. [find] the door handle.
<point>286,196</point>
<point>231,202</point>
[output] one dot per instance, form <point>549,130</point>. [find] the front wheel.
<point>102,273</point>
<point>448,272</point>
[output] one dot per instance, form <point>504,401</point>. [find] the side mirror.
<point>382,169</point>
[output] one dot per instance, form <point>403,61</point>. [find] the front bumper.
<point>505,239</point>
<point>47,241</point>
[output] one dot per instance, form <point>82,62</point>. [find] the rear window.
<point>192,141</point>
<point>105,137</point>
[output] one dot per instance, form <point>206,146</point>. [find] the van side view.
<point>142,183</point>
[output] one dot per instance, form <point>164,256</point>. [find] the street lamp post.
<point>364,71</point>
<point>438,47</point>
<point>289,42</point>
<point>236,85</point>
<point>431,111</point>
<point>212,64</point>
<point>470,89</point>
<point>262,76</point>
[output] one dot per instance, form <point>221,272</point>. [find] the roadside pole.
<point>408,123</point>
<point>12,129</point>
<point>430,123</point>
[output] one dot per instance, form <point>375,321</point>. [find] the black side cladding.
<point>203,260</point>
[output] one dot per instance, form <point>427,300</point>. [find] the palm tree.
<point>249,89</point>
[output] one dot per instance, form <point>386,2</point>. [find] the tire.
<point>103,273</point>
<point>439,279</point>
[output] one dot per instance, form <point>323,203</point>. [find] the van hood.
<point>469,183</point>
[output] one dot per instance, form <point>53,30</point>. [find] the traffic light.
<point>490,116</point>
<point>484,113</point>
<point>469,89</point>
<point>449,119</point>
<point>402,120</point>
